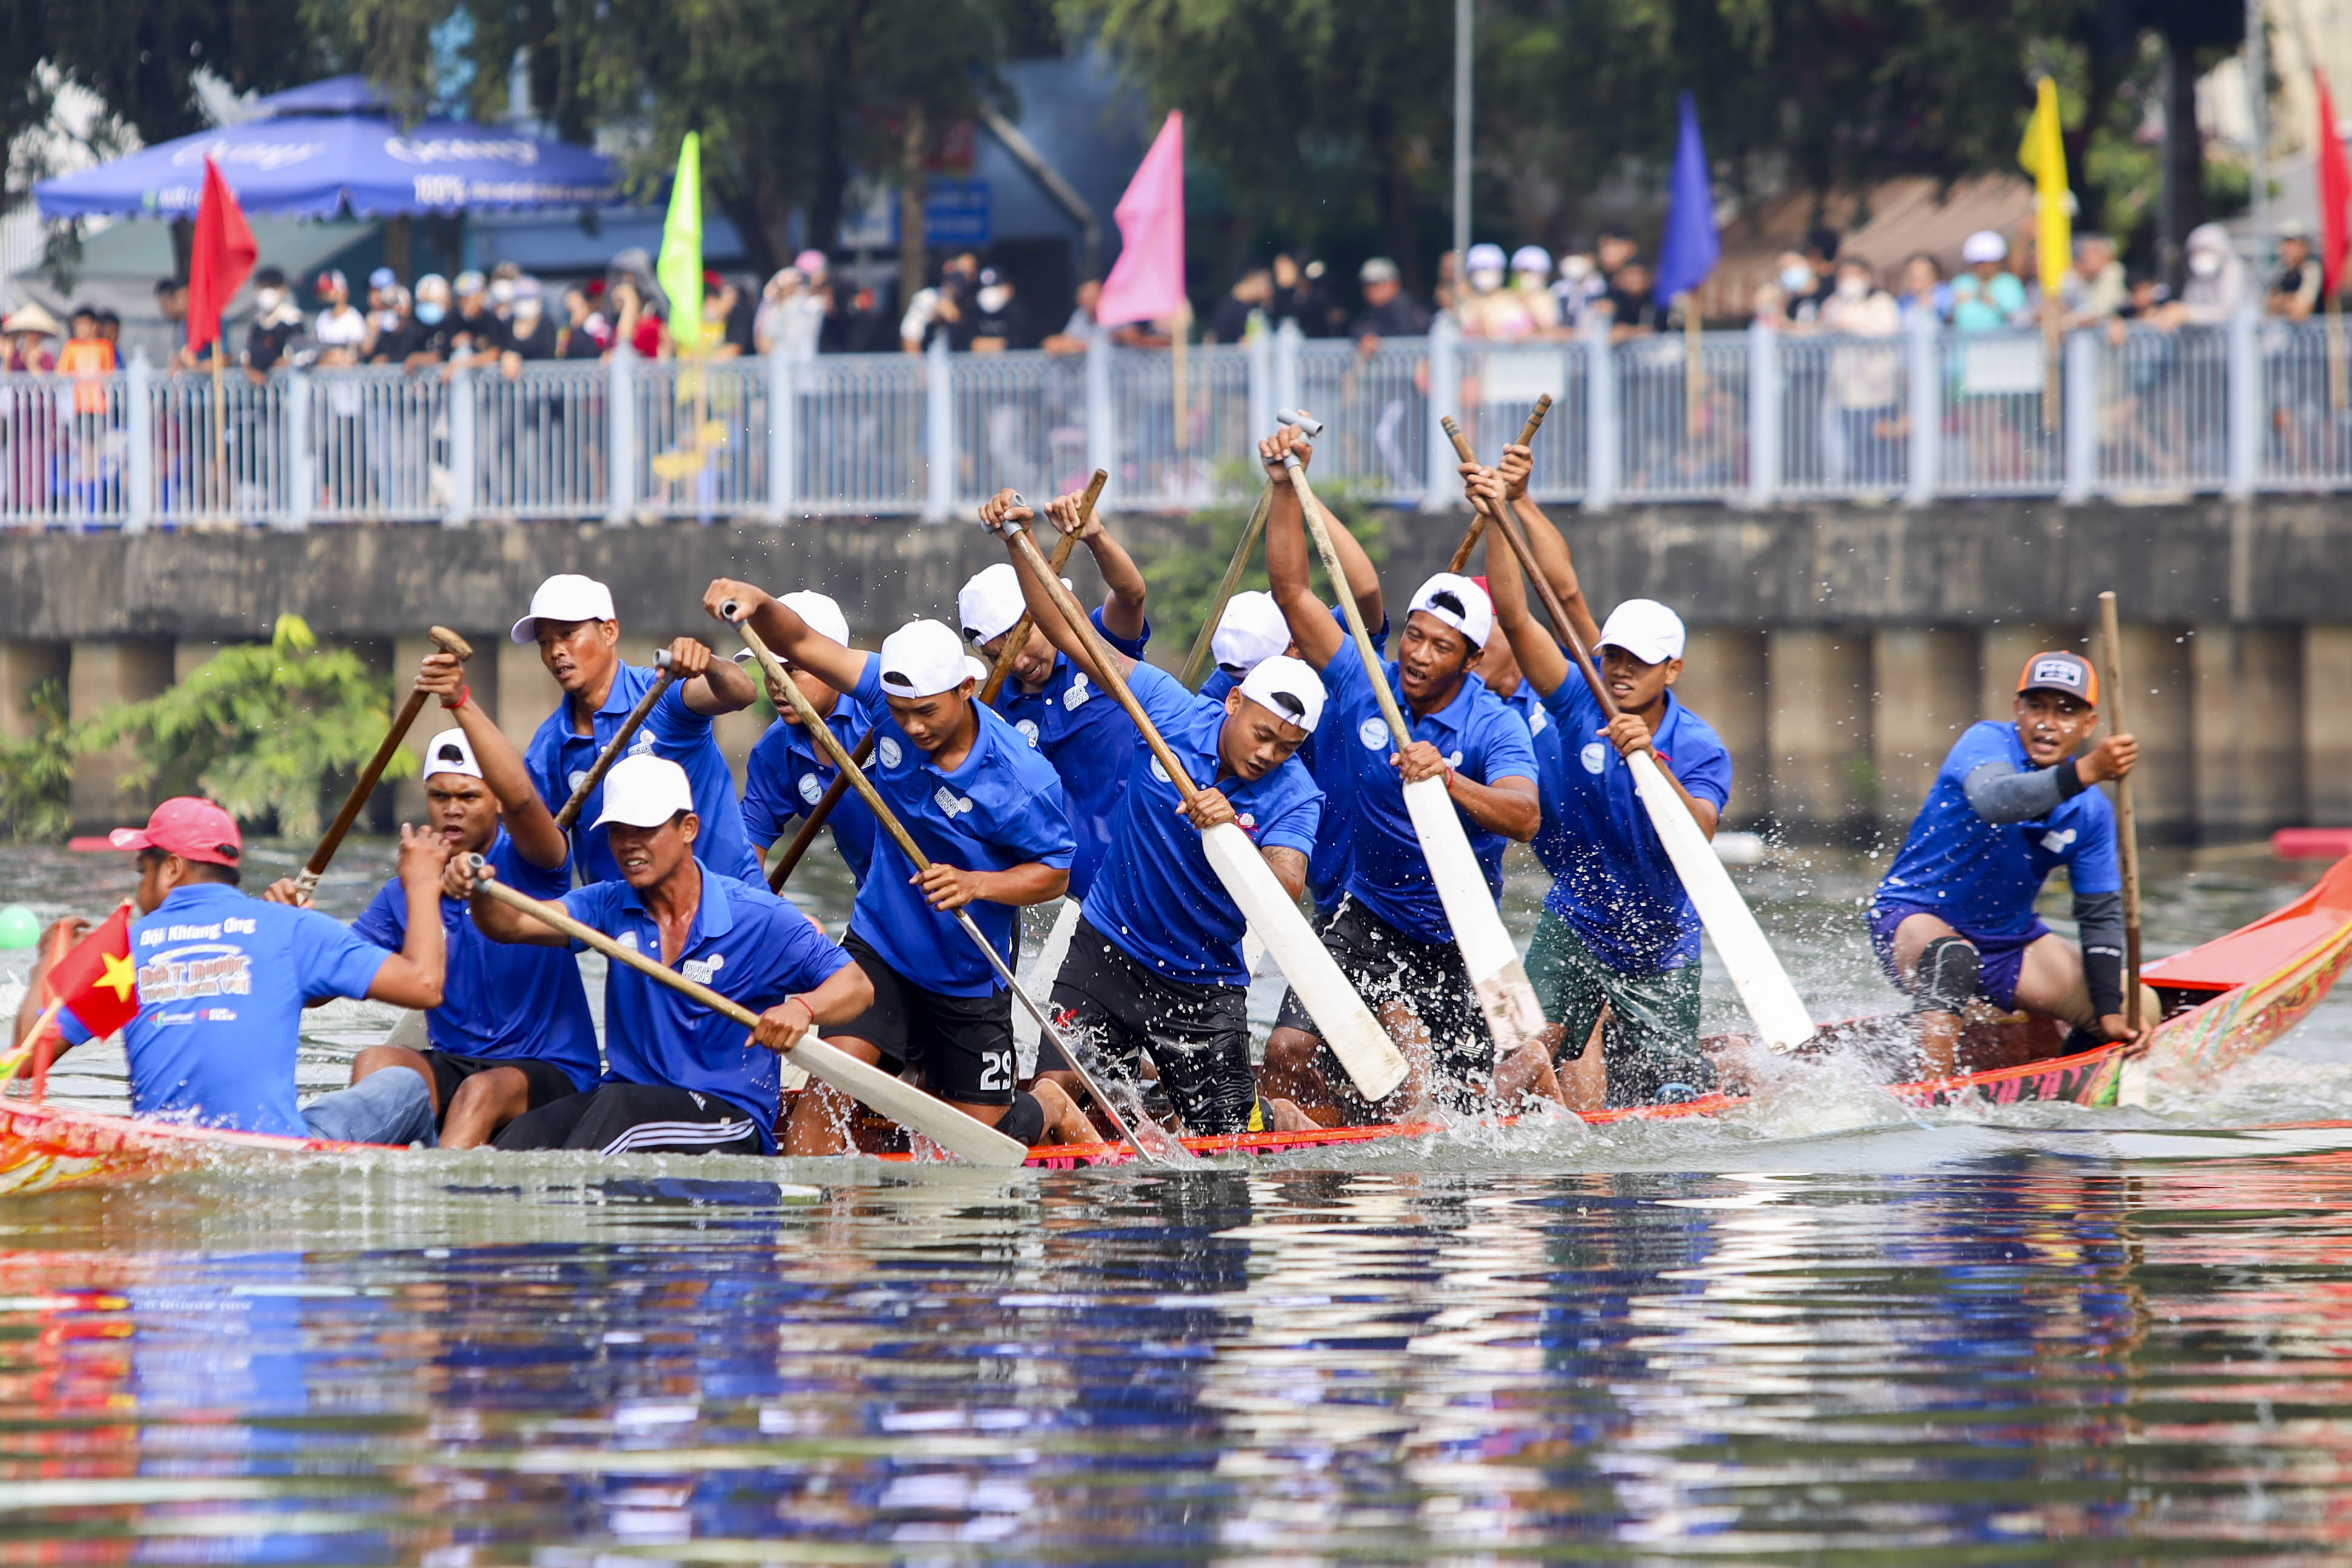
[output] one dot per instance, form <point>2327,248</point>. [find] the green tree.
<point>37,772</point>
<point>266,729</point>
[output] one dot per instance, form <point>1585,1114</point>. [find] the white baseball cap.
<point>823,616</point>
<point>644,791</point>
<point>1251,630</point>
<point>1484,258</point>
<point>1644,628</point>
<point>978,668</point>
<point>1288,689</point>
<point>923,659</point>
<point>566,597</point>
<point>1982,246</point>
<point>1459,603</point>
<point>990,603</point>
<point>450,753</point>
<point>1531,258</point>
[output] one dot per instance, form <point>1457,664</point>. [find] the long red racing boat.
<point>2224,1001</point>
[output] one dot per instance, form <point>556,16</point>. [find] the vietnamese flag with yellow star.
<point>96,979</point>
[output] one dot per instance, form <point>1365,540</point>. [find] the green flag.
<point>680,267</point>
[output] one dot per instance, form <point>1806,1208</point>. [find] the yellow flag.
<point>2042,155</point>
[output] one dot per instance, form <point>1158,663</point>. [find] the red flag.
<point>224,254</point>
<point>2335,192</point>
<point>96,979</point>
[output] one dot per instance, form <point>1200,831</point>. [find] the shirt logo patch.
<point>1028,728</point>
<point>184,973</point>
<point>628,938</point>
<point>887,748</point>
<point>811,790</point>
<point>1595,756</point>
<point>577,777</point>
<point>1076,696</point>
<point>1246,822</point>
<point>950,801</point>
<point>2057,840</point>
<point>642,746</point>
<point>1374,734</point>
<point>1160,773</point>
<point>701,970</point>
<point>1455,760</point>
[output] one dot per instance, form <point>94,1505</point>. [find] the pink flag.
<point>1146,282</point>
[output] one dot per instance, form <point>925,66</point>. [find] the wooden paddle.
<point>1477,512</point>
<point>1747,958</point>
<point>1018,637</point>
<point>894,1098</point>
<point>817,817</point>
<point>1348,1027</point>
<point>305,884</point>
<point>1513,1015</point>
<point>2127,825</point>
<point>1196,663</point>
<point>1162,1147</point>
<point>612,748</point>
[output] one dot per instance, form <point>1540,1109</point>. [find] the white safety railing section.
<point>1753,418</point>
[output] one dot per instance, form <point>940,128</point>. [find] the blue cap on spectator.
<point>383,277</point>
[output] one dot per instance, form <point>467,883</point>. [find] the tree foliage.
<point>37,772</point>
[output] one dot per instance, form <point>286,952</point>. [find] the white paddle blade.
<point>905,1104</point>
<point>1373,1063</point>
<point>1039,983</point>
<point>1513,1015</point>
<point>1755,969</point>
<point>409,1032</point>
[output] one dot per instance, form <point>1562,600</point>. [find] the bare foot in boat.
<point>1284,1116</point>
<point>1065,1123</point>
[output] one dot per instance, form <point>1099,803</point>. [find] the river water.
<point>1825,1330</point>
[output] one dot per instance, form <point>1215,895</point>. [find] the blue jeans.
<point>393,1106</point>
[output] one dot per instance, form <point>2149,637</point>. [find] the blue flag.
<point>1688,250</point>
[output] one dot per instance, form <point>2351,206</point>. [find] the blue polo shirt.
<point>1983,877</point>
<point>1002,808</point>
<point>788,774</point>
<point>557,758</point>
<point>1611,881</point>
<point>745,944</point>
<point>223,980</point>
<point>1157,899</point>
<point>1085,734</point>
<point>500,1001</point>
<point>1480,739</point>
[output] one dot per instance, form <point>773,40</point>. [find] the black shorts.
<point>963,1045</point>
<point>637,1119</point>
<point>1385,966</point>
<point>1198,1035</point>
<point>545,1082</point>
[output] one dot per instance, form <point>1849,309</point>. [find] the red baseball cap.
<point>188,826</point>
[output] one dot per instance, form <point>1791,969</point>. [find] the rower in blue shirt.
<point>986,808</point>
<point>788,773</point>
<point>1390,934</point>
<point>1082,732</point>
<point>1156,963</point>
<point>572,621</point>
<point>223,978</point>
<point>513,1031</point>
<point>1617,930</point>
<point>1953,921</point>
<point>679,1079</point>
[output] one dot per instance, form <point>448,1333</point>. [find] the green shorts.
<point>1652,1040</point>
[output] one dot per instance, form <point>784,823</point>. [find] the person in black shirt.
<point>999,321</point>
<point>530,334</point>
<point>1251,294</point>
<point>585,333</point>
<point>276,322</point>
<point>1388,312</point>
<point>1300,295</point>
<point>478,337</point>
<point>1632,312</point>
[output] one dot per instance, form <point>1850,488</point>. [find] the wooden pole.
<point>2126,823</point>
<point>1018,637</point>
<point>2051,364</point>
<point>1694,369</point>
<point>2337,400</point>
<point>816,818</point>
<point>220,429</point>
<point>1478,513</point>
<point>1196,663</point>
<point>1180,367</point>
<point>612,752</point>
<point>304,884</point>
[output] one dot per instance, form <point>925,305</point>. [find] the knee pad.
<point>1945,980</point>
<point>1024,1120</point>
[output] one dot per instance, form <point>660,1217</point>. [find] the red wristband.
<point>809,1010</point>
<point>465,695</point>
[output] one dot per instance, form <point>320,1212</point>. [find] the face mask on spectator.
<point>268,299</point>
<point>526,311</point>
<point>1485,280</point>
<point>430,312</point>
<point>2205,263</point>
<point>1796,280</point>
<point>1575,268</point>
<point>1851,287</point>
<point>994,297</point>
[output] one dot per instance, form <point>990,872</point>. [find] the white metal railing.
<point>1762,417</point>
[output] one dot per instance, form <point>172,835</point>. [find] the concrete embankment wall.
<point>1837,649</point>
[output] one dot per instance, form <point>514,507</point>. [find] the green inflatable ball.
<point>19,927</point>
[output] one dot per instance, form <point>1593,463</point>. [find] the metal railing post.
<point>620,435</point>
<point>1102,433</point>
<point>1923,361</point>
<point>139,432</point>
<point>1288,343</point>
<point>301,481</point>
<point>1763,414</point>
<point>1440,487</point>
<point>784,433</point>
<point>2245,404</point>
<point>1261,381</point>
<point>939,431</point>
<point>462,463</point>
<point>2081,405</point>
<point>1600,415</point>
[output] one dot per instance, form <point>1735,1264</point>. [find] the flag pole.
<point>1693,368</point>
<point>220,430</point>
<point>1180,367</point>
<point>2335,389</point>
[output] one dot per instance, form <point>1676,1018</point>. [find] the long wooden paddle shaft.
<point>2126,826</point>
<point>1321,535</point>
<point>817,816</point>
<point>1018,637</point>
<point>612,748</point>
<point>949,1127</point>
<point>831,745</point>
<point>448,642</point>
<point>1478,512</point>
<point>1196,663</point>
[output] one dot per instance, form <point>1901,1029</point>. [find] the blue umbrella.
<point>333,147</point>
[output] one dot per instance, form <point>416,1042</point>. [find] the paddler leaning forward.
<point>679,1077</point>
<point>1953,922</point>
